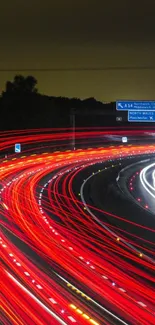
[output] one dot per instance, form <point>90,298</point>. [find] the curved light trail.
<point>153,178</point>
<point>59,266</point>
<point>104,226</point>
<point>149,187</point>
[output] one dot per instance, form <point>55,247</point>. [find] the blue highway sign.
<point>141,116</point>
<point>17,147</point>
<point>135,105</point>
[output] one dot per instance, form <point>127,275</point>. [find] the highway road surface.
<point>77,246</point>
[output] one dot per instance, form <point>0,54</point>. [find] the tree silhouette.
<point>21,85</point>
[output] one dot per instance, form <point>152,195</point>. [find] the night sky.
<point>81,34</point>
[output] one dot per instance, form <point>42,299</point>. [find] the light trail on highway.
<point>149,186</point>
<point>60,266</point>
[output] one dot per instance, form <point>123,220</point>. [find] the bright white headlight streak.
<point>153,177</point>
<point>102,225</point>
<point>37,300</point>
<point>148,187</point>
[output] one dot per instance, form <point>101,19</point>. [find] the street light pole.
<point>72,118</point>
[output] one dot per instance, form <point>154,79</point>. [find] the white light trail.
<point>97,304</point>
<point>37,300</point>
<point>104,226</point>
<point>145,183</point>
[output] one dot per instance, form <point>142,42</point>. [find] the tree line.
<point>22,106</point>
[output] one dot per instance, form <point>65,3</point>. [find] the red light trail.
<point>60,266</point>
